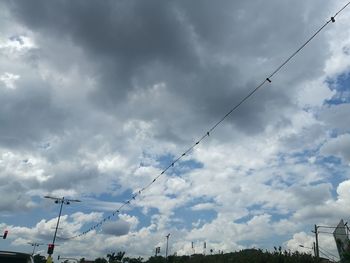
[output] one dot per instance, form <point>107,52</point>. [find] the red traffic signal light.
<point>50,249</point>
<point>5,234</point>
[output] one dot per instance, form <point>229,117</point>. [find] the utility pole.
<point>167,242</point>
<point>34,246</point>
<point>317,252</point>
<point>58,221</point>
<point>314,248</point>
<point>157,251</point>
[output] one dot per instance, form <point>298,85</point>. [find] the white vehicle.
<point>15,257</point>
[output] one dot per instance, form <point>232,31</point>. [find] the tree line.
<point>243,256</point>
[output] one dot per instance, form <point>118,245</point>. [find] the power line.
<point>324,254</point>
<point>324,232</point>
<point>333,227</point>
<point>327,252</point>
<point>212,128</point>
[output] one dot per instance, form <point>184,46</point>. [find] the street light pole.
<point>317,252</point>
<point>34,246</point>
<point>61,201</point>
<point>58,221</point>
<point>166,250</point>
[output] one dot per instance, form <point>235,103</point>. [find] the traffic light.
<point>50,249</point>
<point>5,234</point>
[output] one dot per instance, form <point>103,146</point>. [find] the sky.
<point>97,98</point>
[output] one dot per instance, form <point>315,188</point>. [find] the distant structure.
<point>341,240</point>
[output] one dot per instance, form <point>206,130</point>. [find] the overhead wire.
<point>333,227</point>
<point>267,80</point>
<point>339,234</point>
<point>327,252</point>
<point>324,254</point>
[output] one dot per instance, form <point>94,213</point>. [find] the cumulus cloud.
<point>9,80</point>
<point>301,239</point>
<point>334,117</point>
<point>338,147</point>
<point>97,98</point>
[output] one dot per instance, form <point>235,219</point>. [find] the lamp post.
<point>166,250</point>
<point>34,245</point>
<point>317,251</point>
<point>61,201</point>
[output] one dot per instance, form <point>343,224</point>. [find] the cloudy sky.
<point>97,98</point>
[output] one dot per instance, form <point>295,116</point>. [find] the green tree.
<point>132,260</point>
<point>100,260</point>
<point>39,259</point>
<point>243,256</point>
<point>156,259</point>
<point>113,257</point>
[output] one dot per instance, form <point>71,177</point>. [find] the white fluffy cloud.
<point>338,147</point>
<point>94,106</point>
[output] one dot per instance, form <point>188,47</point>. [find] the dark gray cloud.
<point>118,228</point>
<point>207,56</point>
<point>334,115</point>
<point>120,37</point>
<point>13,197</point>
<point>205,59</point>
<point>27,114</point>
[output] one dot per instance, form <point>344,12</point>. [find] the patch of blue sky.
<point>105,204</point>
<point>276,240</point>
<point>180,167</point>
<point>254,210</point>
<point>330,163</point>
<point>30,217</point>
<point>200,200</point>
<point>118,200</point>
<point>24,218</point>
<point>144,220</point>
<point>258,209</point>
<point>328,160</point>
<point>282,180</point>
<point>244,219</point>
<point>265,243</point>
<point>341,85</point>
<point>279,180</point>
<point>335,171</point>
<point>187,218</point>
<point>300,157</point>
<point>303,156</point>
<point>333,133</point>
<point>278,216</point>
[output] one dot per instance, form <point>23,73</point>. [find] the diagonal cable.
<point>268,80</point>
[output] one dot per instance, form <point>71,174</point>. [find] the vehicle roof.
<point>14,253</point>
